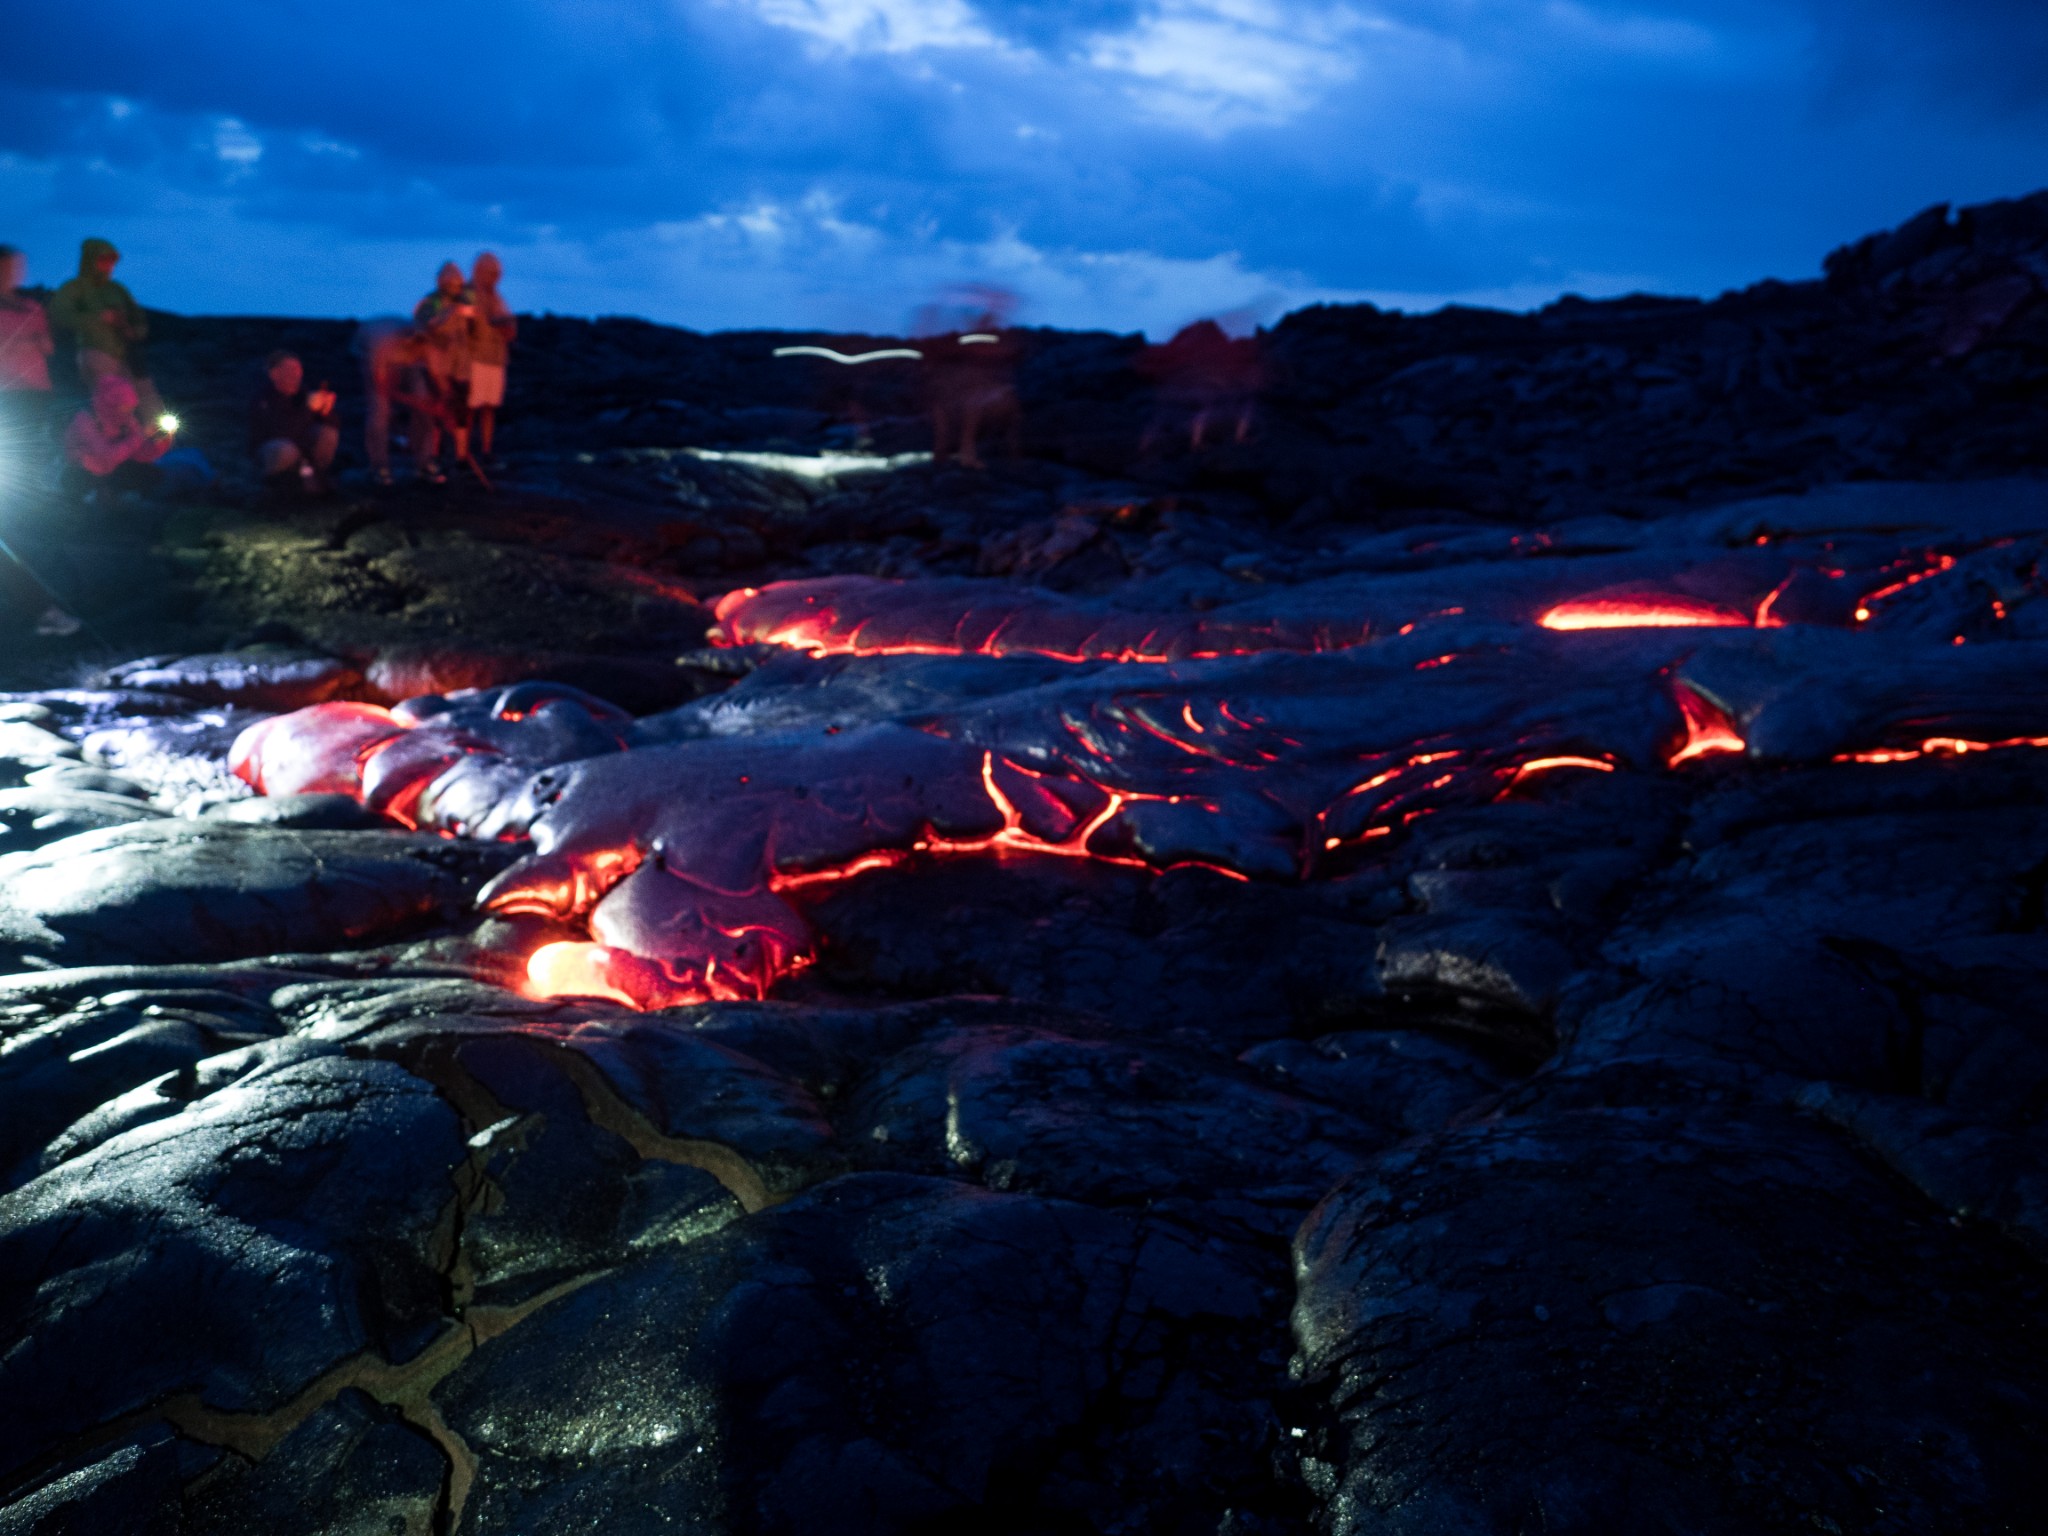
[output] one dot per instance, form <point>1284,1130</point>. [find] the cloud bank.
<point>1130,164</point>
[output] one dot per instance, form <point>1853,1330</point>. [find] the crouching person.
<point>107,446</point>
<point>291,431</point>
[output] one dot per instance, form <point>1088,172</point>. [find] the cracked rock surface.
<point>1425,1071</point>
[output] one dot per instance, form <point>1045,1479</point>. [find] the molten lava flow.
<point>868,616</point>
<point>1545,764</point>
<point>591,877</point>
<point>449,763</point>
<point>1707,728</point>
<point>1939,746</point>
<point>660,936</point>
<point>1015,837</point>
<point>1937,564</point>
<point>574,969</point>
<point>320,750</point>
<point>684,863</point>
<point>1765,619</point>
<point>1643,611</point>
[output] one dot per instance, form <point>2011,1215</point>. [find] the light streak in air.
<point>851,361</point>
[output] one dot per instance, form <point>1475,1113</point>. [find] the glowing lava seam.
<point>1708,728</point>
<point>1939,746</point>
<point>1675,612</point>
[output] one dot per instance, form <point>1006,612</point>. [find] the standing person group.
<point>448,368</point>
<point>101,319</point>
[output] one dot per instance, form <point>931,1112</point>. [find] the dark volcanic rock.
<point>169,890</point>
<point>351,1469</point>
<point>1548,824</point>
<point>1675,1319</point>
<point>882,1353</point>
<point>1791,944</point>
<point>261,677</point>
<point>228,1257</point>
<point>56,1072</point>
<point>568,1197</point>
<point>1188,956</point>
<point>132,1485</point>
<point>33,816</point>
<point>308,813</point>
<point>1407,1082</point>
<point>26,747</point>
<point>1104,1122</point>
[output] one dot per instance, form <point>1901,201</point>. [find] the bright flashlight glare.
<point>167,422</point>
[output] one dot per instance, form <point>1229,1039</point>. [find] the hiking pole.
<point>478,470</point>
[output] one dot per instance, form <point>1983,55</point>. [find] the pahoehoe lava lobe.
<point>686,858</point>
<point>1467,963</point>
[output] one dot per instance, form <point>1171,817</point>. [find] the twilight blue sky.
<point>1122,163</point>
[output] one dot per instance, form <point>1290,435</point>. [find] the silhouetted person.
<point>105,323</point>
<point>395,374</point>
<point>1202,376</point>
<point>25,348</point>
<point>25,344</point>
<point>968,384</point>
<point>445,319</point>
<point>291,431</point>
<point>492,332</point>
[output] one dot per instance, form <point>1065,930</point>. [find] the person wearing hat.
<point>106,324</point>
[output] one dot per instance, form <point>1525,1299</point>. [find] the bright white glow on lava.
<point>1659,612</point>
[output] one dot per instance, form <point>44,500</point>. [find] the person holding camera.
<point>291,430</point>
<point>445,320</point>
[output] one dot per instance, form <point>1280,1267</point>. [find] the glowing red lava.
<point>1939,746</point>
<point>1644,611</point>
<point>721,913</point>
<point>781,940</point>
<point>320,750</point>
<point>1708,729</point>
<point>869,616</point>
<point>1545,764</point>
<point>1937,565</point>
<point>575,969</point>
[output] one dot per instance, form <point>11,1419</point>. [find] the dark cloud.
<point>1984,59</point>
<point>838,153</point>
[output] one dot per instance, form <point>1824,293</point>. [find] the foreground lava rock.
<point>1472,1075</point>
<point>1456,1026</point>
